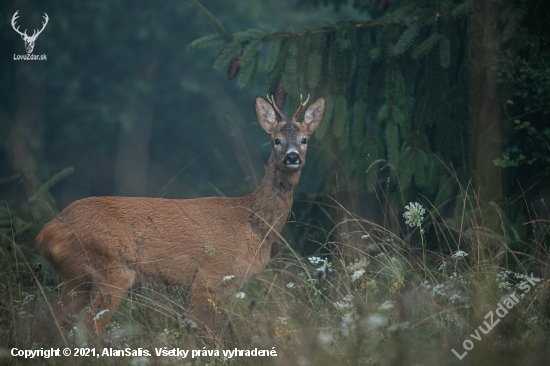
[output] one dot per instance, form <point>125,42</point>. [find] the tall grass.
<point>369,296</point>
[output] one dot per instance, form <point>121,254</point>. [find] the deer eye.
<point>277,142</point>
<point>304,141</point>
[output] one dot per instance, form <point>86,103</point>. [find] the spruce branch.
<point>406,39</point>
<point>445,53</point>
<point>226,54</point>
<point>273,54</point>
<point>205,41</point>
<point>51,182</point>
<point>250,51</point>
<point>426,45</point>
<point>210,18</point>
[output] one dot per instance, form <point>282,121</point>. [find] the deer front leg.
<point>207,305</point>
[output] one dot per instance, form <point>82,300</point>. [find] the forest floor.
<point>369,296</point>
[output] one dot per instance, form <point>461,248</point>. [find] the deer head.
<point>289,138</point>
<point>29,40</point>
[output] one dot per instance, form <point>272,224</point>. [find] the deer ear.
<point>265,115</point>
<point>314,115</point>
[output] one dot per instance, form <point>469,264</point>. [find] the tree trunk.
<point>484,100</point>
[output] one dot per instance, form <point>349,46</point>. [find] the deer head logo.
<point>29,41</point>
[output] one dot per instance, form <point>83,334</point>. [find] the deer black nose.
<point>293,158</point>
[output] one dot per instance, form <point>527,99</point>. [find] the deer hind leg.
<point>110,287</point>
<point>74,296</point>
<point>72,300</point>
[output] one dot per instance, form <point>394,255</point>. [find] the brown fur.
<point>100,246</point>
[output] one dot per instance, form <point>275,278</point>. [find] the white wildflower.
<point>402,326</point>
<point>358,264</point>
<point>315,260</point>
<point>455,298</point>
<point>188,322</point>
<point>290,285</point>
<point>414,214</point>
<point>345,304</point>
<point>375,321</point>
<point>240,295</point>
<point>459,255</point>
<point>349,321</point>
<point>386,305</point>
<point>342,305</point>
<point>459,279</point>
<point>357,275</point>
<point>325,338</point>
<point>227,278</point>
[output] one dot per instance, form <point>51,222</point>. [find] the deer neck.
<point>272,201</point>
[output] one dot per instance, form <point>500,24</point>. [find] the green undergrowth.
<point>368,296</point>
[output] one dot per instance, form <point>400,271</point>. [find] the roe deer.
<point>100,245</point>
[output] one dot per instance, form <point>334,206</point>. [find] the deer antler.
<point>300,108</point>
<point>15,16</point>
<point>24,34</point>
<point>272,101</point>
<point>43,26</point>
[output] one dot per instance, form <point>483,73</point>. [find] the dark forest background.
<point>427,100</point>
<point>441,102</point>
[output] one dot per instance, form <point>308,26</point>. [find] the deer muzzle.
<point>292,160</point>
